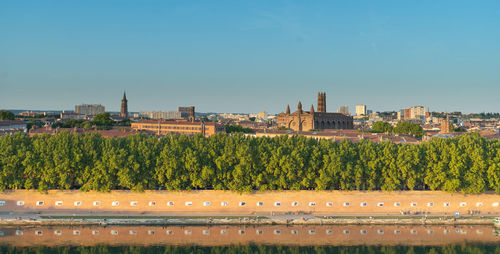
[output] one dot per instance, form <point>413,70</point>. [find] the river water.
<point>251,239</point>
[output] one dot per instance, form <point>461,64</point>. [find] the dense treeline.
<point>468,163</point>
<point>260,249</point>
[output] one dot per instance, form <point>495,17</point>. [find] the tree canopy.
<point>468,163</point>
<point>7,115</point>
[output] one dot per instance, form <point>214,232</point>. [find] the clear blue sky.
<point>247,56</point>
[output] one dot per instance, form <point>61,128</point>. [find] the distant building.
<point>361,110</point>
<point>301,120</point>
<point>11,126</point>
<point>163,115</point>
<point>178,127</point>
<point>89,109</point>
<point>185,111</point>
<point>343,110</point>
<point>71,116</point>
<point>124,107</point>
<point>445,125</point>
<point>413,113</point>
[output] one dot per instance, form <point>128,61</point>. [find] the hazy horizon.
<point>231,56</point>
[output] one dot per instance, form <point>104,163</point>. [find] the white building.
<point>89,109</point>
<point>361,110</point>
<point>162,114</point>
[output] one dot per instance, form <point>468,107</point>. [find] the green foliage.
<point>238,128</point>
<point>7,115</point>
<point>382,127</point>
<point>103,121</point>
<point>468,163</point>
<point>405,127</point>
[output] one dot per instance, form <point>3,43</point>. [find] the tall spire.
<point>312,108</point>
<point>288,109</point>
<point>124,107</point>
<point>299,106</point>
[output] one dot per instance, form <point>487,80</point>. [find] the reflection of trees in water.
<point>464,248</point>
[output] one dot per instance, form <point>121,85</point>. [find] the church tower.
<point>322,102</point>
<point>124,108</point>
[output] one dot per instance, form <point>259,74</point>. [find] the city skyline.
<point>249,57</point>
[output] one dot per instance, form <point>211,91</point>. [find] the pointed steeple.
<point>124,96</point>
<point>299,106</point>
<point>288,109</point>
<point>312,108</point>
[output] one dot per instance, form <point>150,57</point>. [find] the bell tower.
<point>124,108</point>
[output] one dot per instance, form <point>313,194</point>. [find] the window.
<point>362,231</point>
<point>494,204</point>
<point>329,204</point>
<point>59,203</point>
<point>295,203</point>
<point>2,202</point>
<point>397,232</point>
<point>413,232</point>
<point>132,232</point>
<point>77,203</point>
<point>363,204</point>
<point>446,231</point>
<point>206,232</point>
<point>95,232</point>
<point>114,232</point>
<point>277,232</point>
<point>446,204</point>
<point>96,203</point>
<point>170,203</point>
<point>259,232</point>
<point>430,231</point>
<point>397,204</point>
<point>241,232</point>
<point>329,231</point>
<point>413,204</point>
<point>478,204</point>
<point>380,232</point>
<point>277,203</point>
<point>170,232</point>
<point>133,203</point>
<point>380,204</point>
<point>20,203</point>
<point>312,203</point>
<point>294,232</point>
<point>76,232</point>
<point>223,232</point>
<point>39,203</point>
<point>19,232</point>
<point>224,203</point>
<point>430,204</point>
<point>38,232</point>
<point>57,232</point>
<point>462,204</point>
<point>206,203</point>
<point>115,203</point>
<point>151,232</point>
<point>346,232</point>
<point>312,232</point>
<point>242,203</point>
<point>189,203</point>
<point>260,203</point>
<point>152,203</point>
<point>347,204</point>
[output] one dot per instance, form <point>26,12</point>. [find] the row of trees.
<point>403,127</point>
<point>468,163</point>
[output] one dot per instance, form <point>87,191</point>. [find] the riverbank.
<point>104,220</point>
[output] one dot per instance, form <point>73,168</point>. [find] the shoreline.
<point>93,220</point>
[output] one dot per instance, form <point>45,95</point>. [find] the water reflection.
<point>243,235</point>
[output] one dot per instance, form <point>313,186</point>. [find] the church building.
<point>301,120</point>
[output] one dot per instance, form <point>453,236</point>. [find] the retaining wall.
<point>227,202</point>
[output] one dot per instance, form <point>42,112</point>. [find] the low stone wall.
<point>227,202</point>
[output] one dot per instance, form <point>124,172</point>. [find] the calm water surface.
<point>251,239</point>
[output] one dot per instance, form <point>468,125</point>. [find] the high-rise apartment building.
<point>361,110</point>
<point>413,113</point>
<point>344,110</point>
<point>89,109</point>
